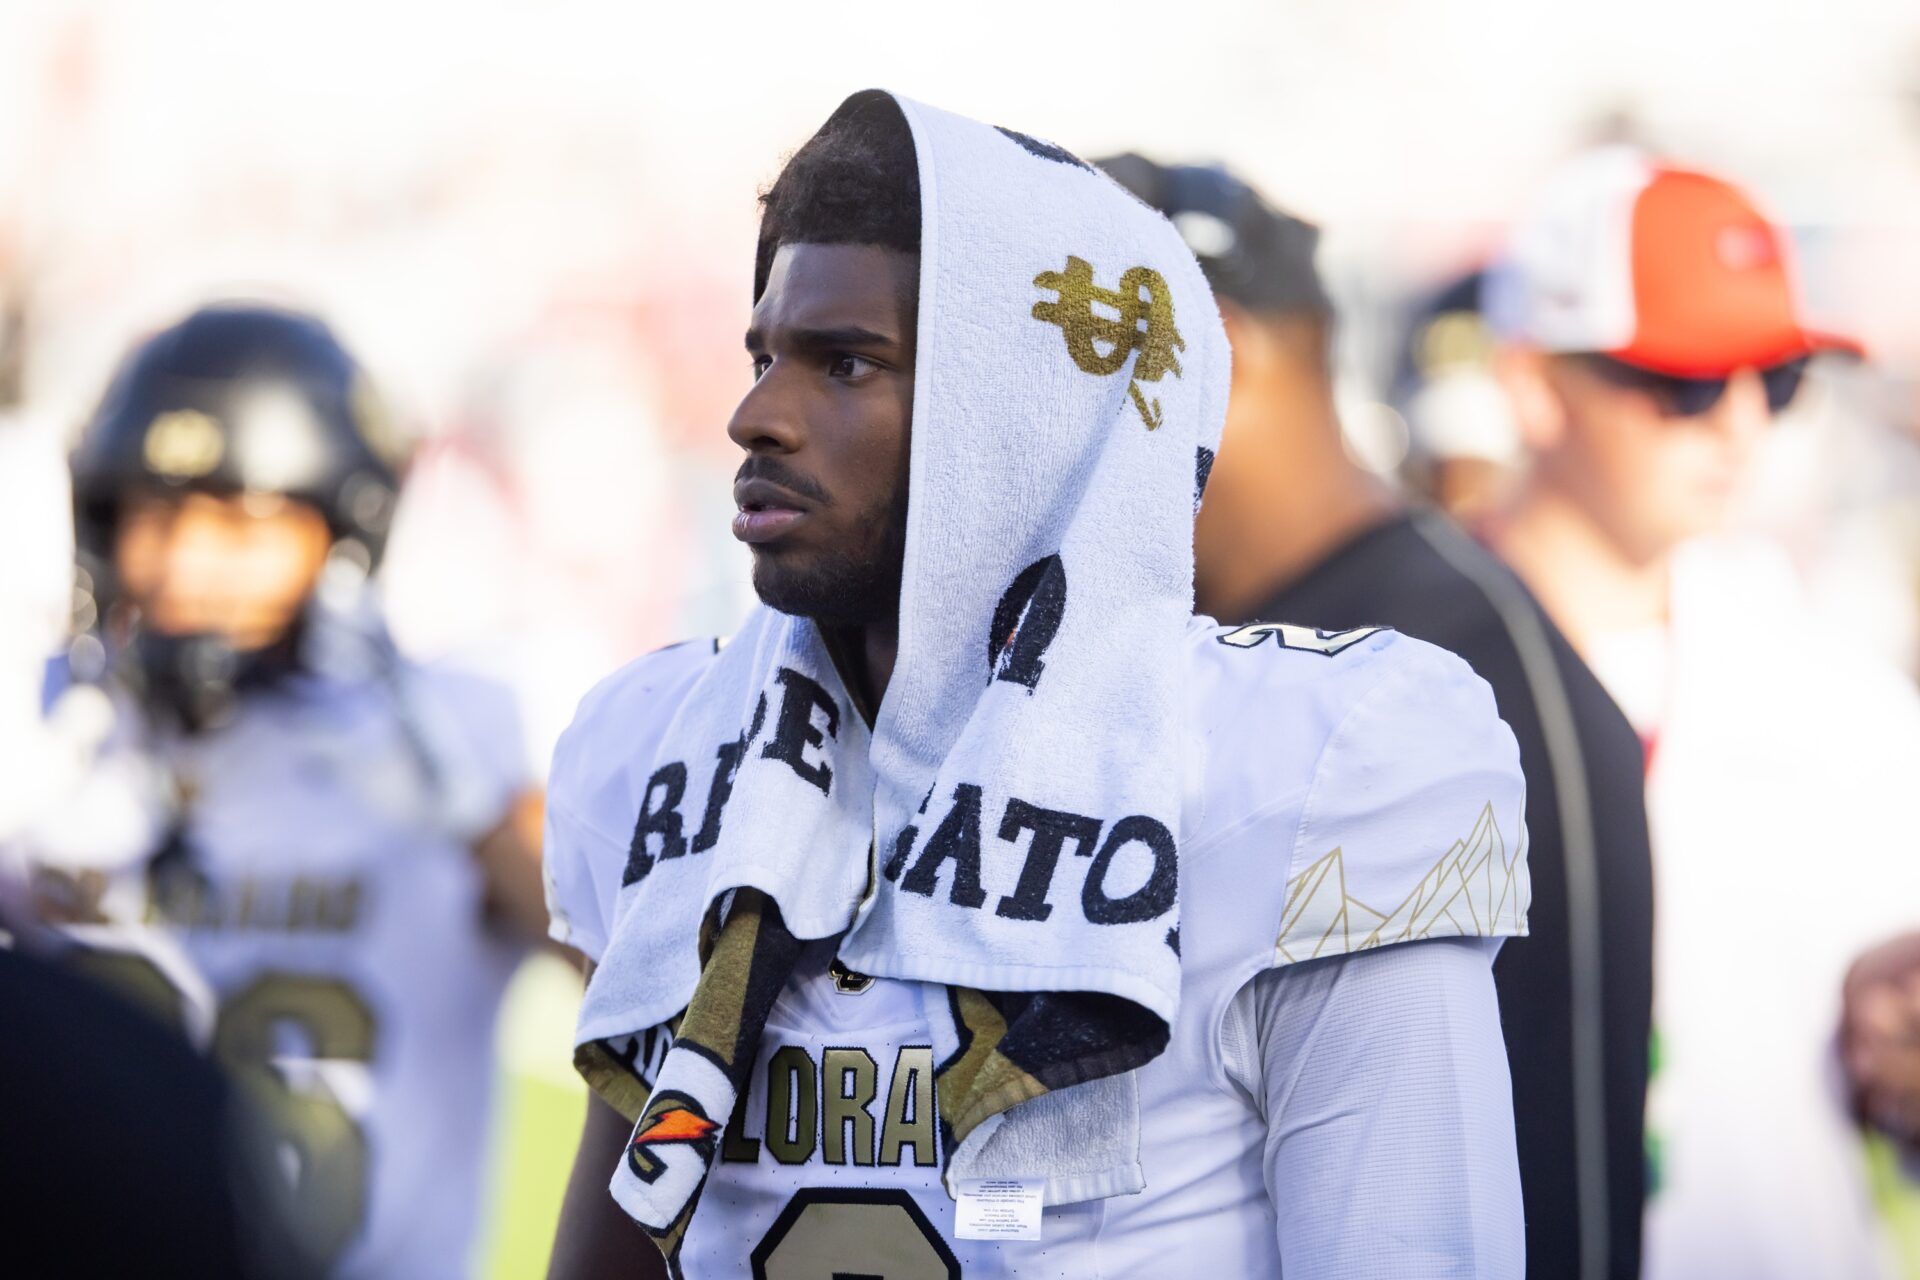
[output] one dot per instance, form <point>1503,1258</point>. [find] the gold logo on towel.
<point>1141,320</point>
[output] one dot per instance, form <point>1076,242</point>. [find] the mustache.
<point>773,471</point>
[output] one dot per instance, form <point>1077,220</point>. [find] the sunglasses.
<point>1680,397</point>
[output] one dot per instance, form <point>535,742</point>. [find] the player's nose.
<point>769,417</point>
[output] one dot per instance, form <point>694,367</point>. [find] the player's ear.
<point>1525,375</point>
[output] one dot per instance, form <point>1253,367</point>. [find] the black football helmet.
<point>235,398</point>
<point>241,398</point>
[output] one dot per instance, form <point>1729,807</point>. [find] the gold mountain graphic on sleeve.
<point>1474,889</point>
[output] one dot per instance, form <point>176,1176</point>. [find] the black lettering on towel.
<point>658,818</point>
<point>1151,899</point>
<point>795,729</point>
<point>1026,621</point>
<point>1202,469</point>
<point>1045,150</point>
<point>956,839</point>
<point>726,769</point>
<point>1051,828</point>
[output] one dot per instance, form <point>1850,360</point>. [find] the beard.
<point>843,588</point>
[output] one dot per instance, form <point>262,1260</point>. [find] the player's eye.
<point>844,365</point>
<point>760,364</point>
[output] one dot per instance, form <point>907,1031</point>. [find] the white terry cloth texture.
<point>1070,386</point>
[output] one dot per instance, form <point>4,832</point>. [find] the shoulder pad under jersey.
<point>1356,789</point>
<point>595,786</point>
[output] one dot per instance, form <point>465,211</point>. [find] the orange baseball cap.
<point>1665,268</point>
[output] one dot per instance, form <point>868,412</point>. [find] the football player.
<point>341,842</point>
<point>1325,1105</point>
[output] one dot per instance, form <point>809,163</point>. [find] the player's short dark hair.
<point>856,181</point>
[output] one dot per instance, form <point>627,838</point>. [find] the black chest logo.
<point>846,981</point>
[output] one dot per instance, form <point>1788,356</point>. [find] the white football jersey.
<point>1344,792</point>
<point>333,907</point>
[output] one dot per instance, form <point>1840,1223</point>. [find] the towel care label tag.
<point>998,1209</point>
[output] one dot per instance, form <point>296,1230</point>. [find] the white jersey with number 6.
<point>332,905</point>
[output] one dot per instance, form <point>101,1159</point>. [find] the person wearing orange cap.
<point>1296,528</point>
<point>1650,332</point>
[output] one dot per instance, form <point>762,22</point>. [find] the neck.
<point>1257,541</point>
<point>865,656</point>
<point>1585,580</point>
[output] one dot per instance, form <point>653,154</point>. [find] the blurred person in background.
<point>1295,530</point>
<point>1651,331</point>
<point>1464,446</point>
<point>342,843</point>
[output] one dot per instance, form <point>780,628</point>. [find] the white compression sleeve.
<point>1383,1080</point>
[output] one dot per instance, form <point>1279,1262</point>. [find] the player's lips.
<point>766,511</point>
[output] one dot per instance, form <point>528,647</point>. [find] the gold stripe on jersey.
<point>1470,891</point>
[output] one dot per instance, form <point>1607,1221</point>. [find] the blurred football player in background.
<point>343,844</point>
<point>1651,332</point>
<point>1294,529</point>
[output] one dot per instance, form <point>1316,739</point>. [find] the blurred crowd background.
<point>532,220</point>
